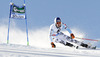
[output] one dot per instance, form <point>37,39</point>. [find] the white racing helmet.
<point>57,22</point>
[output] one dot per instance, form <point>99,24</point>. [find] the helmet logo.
<point>58,20</point>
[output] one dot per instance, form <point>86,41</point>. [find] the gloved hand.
<point>72,35</point>
<point>53,45</point>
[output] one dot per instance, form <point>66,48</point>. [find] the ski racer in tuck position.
<point>59,37</point>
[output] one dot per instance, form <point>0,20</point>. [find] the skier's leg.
<point>62,39</point>
<point>69,44</point>
<point>66,43</point>
<point>87,46</point>
<point>73,40</point>
<point>77,42</point>
<point>84,45</point>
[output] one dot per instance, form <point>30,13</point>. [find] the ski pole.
<point>87,39</point>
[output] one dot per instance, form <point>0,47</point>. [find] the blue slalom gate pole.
<point>27,32</point>
<point>26,26</point>
<point>24,1</point>
<point>8,32</point>
<point>9,25</point>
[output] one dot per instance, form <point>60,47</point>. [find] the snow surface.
<point>12,50</point>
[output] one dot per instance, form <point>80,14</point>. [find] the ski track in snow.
<point>11,50</point>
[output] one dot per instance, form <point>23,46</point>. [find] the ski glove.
<point>53,45</point>
<point>72,35</point>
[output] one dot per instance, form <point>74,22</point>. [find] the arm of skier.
<point>71,34</point>
<point>51,38</point>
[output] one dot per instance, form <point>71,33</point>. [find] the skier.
<point>59,37</point>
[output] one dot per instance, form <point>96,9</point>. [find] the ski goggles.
<point>58,23</point>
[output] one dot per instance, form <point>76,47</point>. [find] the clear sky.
<point>81,14</point>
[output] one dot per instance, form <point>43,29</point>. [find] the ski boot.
<point>87,46</point>
<point>84,45</point>
<point>71,45</point>
<point>93,47</point>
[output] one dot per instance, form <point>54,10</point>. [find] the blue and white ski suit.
<point>57,36</point>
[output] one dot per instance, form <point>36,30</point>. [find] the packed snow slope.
<point>12,50</point>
